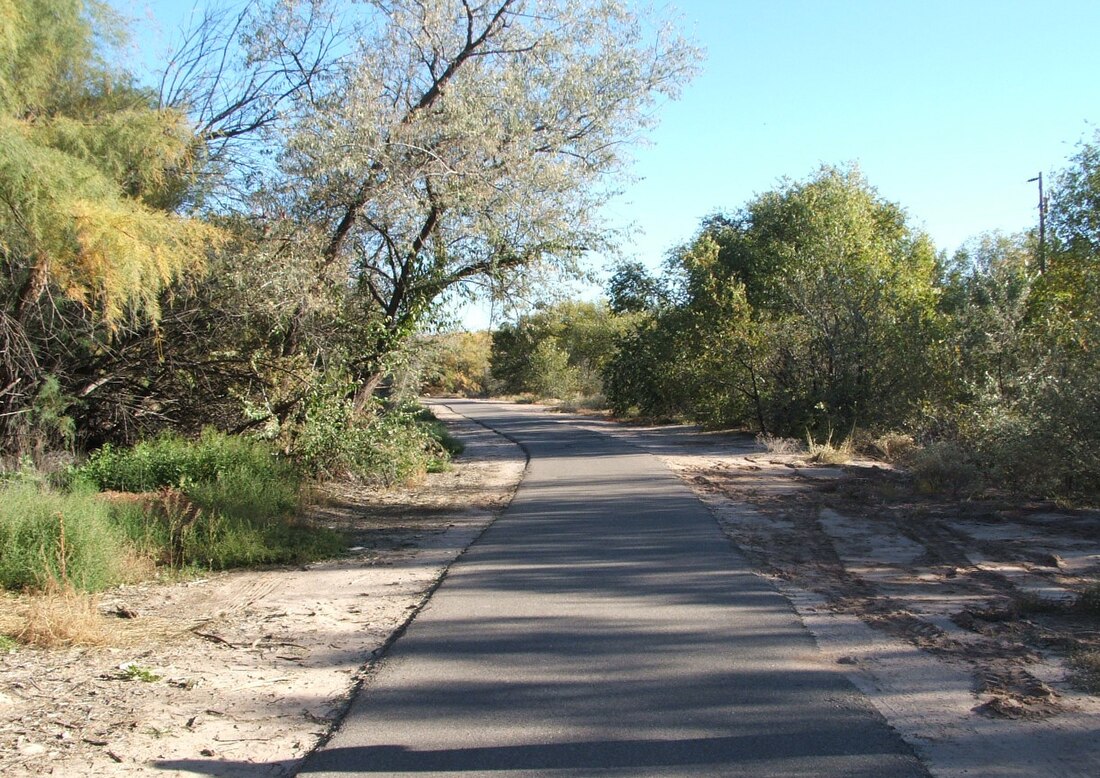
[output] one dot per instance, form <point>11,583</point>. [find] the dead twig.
<point>214,638</point>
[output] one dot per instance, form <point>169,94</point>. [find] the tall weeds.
<point>51,538</point>
<point>217,502</point>
<point>223,501</point>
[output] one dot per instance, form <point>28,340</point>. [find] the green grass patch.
<point>217,541</point>
<point>217,502</point>
<point>51,537</point>
<point>170,460</point>
<point>448,445</point>
<point>134,672</point>
<point>213,503</point>
<point>237,508</point>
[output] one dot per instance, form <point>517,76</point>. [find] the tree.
<point>1043,433</point>
<point>463,144</point>
<point>243,73</point>
<point>88,170</point>
<point>843,268</point>
<point>813,306</point>
<point>633,289</point>
<point>1075,201</point>
<point>987,292</point>
<point>363,168</point>
<point>557,351</point>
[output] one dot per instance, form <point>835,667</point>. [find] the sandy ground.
<point>952,617</point>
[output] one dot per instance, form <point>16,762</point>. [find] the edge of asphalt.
<point>378,656</point>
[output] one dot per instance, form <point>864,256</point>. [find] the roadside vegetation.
<point>816,313</point>
<point>215,277</point>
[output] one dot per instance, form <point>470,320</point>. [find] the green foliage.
<point>1021,392</point>
<point>1075,203</point>
<point>944,466</point>
<point>220,541</point>
<point>813,307</point>
<point>454,363</point>
<point>550,374</point>
<point>987,291</point>
<point>644,374</point>
<point>170,460</point>
<point>49,537</point>
<point>1044,440</point>
<point>407,158</point>
<point>394,446</point>
<point>531,142</point>
<point>816,307</point>
<point>849,290</point>
<point>378,443</point>
<point>235,505</point>
<point>559,351</point>
<point>134,672</point>
<point>438,430</point>
<point>633,289</point>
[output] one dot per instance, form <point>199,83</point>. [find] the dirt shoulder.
<point>241,674</point>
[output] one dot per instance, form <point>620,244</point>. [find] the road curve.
<point>605,626</point>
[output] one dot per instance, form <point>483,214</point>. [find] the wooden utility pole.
<point>1042,223</point>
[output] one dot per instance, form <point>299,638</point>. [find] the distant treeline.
<point>817,311</point>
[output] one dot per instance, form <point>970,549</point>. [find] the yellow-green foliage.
<point>9,46</point>
<point>42,44</point>
<point>456,363</point>
<point>85,163</point>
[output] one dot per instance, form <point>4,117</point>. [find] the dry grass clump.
<point>829,453</point>
<point>1086,670</point>
<point>778,445</point>
<point>59,617</point>
<point>10,617</point>
<point>1089,600</point>
<point>892,446</point>
<point>944,467</point>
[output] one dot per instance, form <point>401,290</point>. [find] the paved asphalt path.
<point>605,626</point>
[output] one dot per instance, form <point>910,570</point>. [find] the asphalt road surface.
<point>605,626</point>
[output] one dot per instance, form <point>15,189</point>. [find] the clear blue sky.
<point>948,107</point>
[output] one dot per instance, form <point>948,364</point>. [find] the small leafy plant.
<point>135,672</point>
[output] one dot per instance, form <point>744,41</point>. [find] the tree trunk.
<point>365,392</point>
